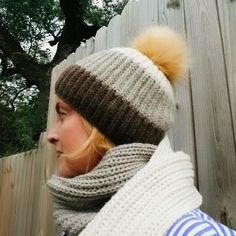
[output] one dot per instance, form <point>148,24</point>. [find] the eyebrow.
<point>57,107</point>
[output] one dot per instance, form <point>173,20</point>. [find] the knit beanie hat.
<point>126,92</point>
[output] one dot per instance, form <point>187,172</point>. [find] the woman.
<point>117,172</point>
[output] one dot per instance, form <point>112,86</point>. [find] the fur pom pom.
<point>166,49</point>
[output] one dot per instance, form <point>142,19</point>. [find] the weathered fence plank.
<point>79,52</point>
<point>113,32</point>
<point>6,196</point>
<point>227,16</point>
<point>90,46</point>
<point>213,124</point>
<point>71,59</point>
<point>124,21</point>
<point>147,13</point>
<point>26,208</point>
<point>101,39</point>
<point>182,133</point>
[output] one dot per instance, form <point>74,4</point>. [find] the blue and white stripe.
<point>198,223</point>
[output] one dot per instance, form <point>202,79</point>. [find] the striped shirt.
<point>198,223</point>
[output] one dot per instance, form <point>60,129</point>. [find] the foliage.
<point>32,22</point>
<point>19,119</point>
<point>100,15</point>
<point>35,25</point>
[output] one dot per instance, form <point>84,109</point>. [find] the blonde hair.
<point>96,143</point>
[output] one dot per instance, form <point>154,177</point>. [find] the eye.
<point>61,111</point>
<point>61,114</point>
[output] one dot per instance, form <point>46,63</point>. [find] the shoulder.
<point>198,223</point>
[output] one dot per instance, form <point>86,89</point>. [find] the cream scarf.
<point>149,200</point>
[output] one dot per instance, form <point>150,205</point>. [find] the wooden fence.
<point>205,124</point>
<point>25,204</point>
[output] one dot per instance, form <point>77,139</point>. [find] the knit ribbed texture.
<point>151,196</point>
<point>77,200</point>
<point>152,200</point>
<point>121,93</point>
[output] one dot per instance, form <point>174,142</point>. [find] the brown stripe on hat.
<point>108,111</point>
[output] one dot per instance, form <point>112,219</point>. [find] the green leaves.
<point>31,20</point>
<point>20,121</point>
<point>100,14</point>
<point>31,24</point>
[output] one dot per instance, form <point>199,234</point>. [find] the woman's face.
<point>68,134</point>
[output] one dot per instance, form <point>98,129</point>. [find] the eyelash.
<point>61,114</point>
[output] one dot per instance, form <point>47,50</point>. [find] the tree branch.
<point>25,65</point>
<point>15,97</point>
<point>4,64</point>
<point>8,44</point>
<point>75,29</point>
<point>6,69</point>
<point>11,47</point>
<point>10,72</point>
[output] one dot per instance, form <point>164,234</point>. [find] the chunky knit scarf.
<point>78,200</point>
<point>153,190</point>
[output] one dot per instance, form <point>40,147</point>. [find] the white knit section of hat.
<point>133,76</point>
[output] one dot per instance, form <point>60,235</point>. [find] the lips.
<point>58,153</point>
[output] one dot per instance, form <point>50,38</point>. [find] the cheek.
<point>73,134</point>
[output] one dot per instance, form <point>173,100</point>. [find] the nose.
<point>52,136</point>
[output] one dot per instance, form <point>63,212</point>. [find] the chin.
<point>65,173</point>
